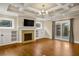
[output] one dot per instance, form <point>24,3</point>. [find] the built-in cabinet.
<point>39,30</point>
<point>13,36</point>
<point>7,36</point>
<point>39,33</point>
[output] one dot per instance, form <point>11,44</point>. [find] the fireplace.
<point>27,35</point>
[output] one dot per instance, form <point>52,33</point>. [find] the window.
<point>6,23</point>
<point>38,25</point>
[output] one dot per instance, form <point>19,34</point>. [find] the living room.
<point>38,29</point>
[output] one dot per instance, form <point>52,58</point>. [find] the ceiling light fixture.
<point>43,11</point>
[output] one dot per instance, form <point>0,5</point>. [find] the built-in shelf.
<point>14,35</point>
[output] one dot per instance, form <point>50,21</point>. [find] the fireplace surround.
<point>27,35</point>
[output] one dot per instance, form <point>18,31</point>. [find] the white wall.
<point>76,29</point>
<point>21,26</point>
<point>13,18</point>
<point>48,26</point>
<point>18,24</point>
<point>7,32</point>
<point>21,22</point>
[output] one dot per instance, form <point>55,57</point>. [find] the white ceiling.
<point>32,9</point>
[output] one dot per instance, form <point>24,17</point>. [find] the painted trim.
<point>62,39</point>
<point>10,19</point>
<point>60,23</point>
<point>8,43</point>
<point>76,42</point>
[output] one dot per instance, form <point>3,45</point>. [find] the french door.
<point>62,30</point>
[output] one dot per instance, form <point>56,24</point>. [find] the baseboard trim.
<point>8,43</point>
<point>76,42</point>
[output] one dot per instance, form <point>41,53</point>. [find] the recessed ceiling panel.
<point>47,5</point>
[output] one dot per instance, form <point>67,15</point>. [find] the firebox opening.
<point>27,36</point>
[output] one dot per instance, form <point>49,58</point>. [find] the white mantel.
<point>25,28</point>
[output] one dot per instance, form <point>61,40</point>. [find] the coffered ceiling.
<point>32,9</point>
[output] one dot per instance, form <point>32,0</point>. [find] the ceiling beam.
<point>32,9</point>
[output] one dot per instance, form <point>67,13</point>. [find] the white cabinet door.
<point>39,33</point>
<point>6,36</point>
<point>39,30</point>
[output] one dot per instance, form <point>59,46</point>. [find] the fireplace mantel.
<point>26,28</point>
<point>28,31</point>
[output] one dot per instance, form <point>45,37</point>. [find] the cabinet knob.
<point>2,35</point>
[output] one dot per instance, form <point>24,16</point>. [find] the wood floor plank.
<point>41,47</point>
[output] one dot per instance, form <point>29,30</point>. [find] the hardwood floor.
<point>42,47</point>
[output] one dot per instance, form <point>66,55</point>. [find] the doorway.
<point>62,30</point>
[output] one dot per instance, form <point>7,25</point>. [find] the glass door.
<point>62,30</point>
<point>58,30</point>
<point>66,30</point>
